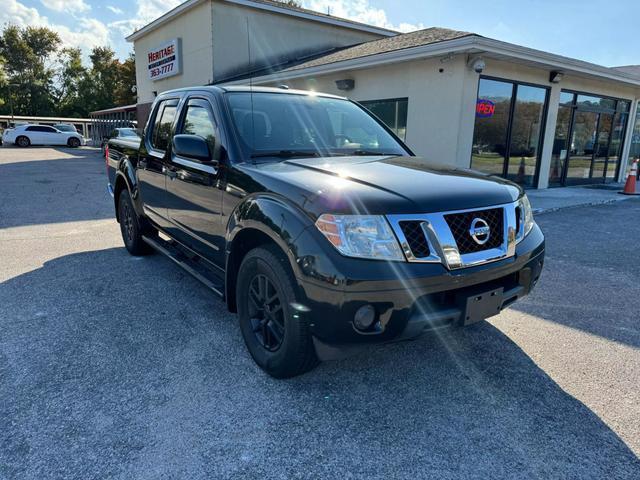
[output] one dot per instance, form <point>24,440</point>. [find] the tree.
<point>126,80</point>
<point>29,75</point>
<point>70,77</point>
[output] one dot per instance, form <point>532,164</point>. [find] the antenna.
<point>253,118</point>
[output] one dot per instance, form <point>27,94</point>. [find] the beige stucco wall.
<point>194,28</point>
<point>275,38</point>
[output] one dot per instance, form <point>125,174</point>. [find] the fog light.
<point>364,317</point>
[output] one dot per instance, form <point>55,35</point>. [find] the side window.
<point>198,120</point>
<point>161,134</point>
<point>32,129</point>
<point>48,130</point>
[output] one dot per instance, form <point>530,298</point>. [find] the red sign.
<point>485,108</point>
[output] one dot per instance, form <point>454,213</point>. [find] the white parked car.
<point>25,135</point>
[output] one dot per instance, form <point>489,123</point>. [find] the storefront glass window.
<point>492,122</point>
<point>560,145</point>
<point>634,148</point>
<point>596,128</point>
<point>526,127</point>
<point>508,129</point>
<point>392,112</point>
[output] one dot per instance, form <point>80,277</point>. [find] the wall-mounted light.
<point>346,84</point>
<point>556,76</point>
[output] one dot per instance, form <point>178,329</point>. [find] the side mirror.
<point>192,147</point>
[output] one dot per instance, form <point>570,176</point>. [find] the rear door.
<point>152,160</point>
<point>35,135</point>
<point>193,187</point>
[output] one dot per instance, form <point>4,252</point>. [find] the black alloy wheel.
<point>130,226</point>
<point>266,313</point>
<point>277,334</point>
<point>73,142</point>
<point>23,142</point>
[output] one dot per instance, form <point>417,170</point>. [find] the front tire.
<point>277,336</point>
<point>130,226</point>
<point>23,141</point>
<point>73,142</point>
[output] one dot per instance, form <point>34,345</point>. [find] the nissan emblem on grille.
<point>480,231</point>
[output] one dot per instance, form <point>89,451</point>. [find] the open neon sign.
<point>485,108</point>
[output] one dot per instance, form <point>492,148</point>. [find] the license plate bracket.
<point>481,305</point>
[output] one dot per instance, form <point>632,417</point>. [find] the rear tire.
<point>130,226</point>
<point>277,336</point>
<point>23,141</point>
<point>73,142</point>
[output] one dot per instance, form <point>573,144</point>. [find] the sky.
<point>598,31</point>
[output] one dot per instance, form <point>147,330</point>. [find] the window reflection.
<point>508,130</point>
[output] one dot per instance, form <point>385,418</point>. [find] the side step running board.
<point>174,253</point>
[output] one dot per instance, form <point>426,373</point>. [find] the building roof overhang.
<point>472,44</point>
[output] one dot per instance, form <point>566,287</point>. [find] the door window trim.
<point>149,134</point>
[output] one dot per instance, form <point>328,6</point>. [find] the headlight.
<point>362,236</point>
<point>524,214</point>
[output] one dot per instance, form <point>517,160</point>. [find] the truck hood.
<point>381,185</point>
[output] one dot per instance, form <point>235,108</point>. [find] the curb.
<point>541,211</point>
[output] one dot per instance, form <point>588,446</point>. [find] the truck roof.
<point>248,89</point>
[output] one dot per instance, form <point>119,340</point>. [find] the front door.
<point>151,170</point>
<point>193,187</point>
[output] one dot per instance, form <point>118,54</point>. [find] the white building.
<point>537,118</point>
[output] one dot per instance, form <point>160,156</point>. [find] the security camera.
<point>477,64</point>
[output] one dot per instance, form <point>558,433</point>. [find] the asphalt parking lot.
<point>118,367</point>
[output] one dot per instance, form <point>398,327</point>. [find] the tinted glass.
<point>615,147</point>
<point>528,115</point>
<point>492,121</point>
<point>583,141</point>
<point>601,147</point>
<point>66,128</point>
<point>634,148</point>
<point>392,112</point>
<point>566,98</point>
<point>128,132</point>
<point>199,121</point>
<point>560,146</point>
<point>162,128</point>
<point>596,102</point>
<point>274,122</point>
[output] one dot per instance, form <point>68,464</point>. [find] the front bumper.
<point>409,298</point>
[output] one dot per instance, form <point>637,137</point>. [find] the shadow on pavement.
<point>72,187</point>
<point>590,281</point>
<point>112,366</point>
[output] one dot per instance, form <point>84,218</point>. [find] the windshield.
<point>66,128</point>
<point>128,132</point>
<point>289,125</point>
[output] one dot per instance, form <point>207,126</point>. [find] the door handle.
<point>169,172</point>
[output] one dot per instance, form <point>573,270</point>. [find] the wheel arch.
<point>261,220</point>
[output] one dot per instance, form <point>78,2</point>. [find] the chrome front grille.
<point>416,239</point>
<point>460,225</point>
<point>448,237</point>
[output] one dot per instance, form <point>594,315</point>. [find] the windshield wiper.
<point>285,154</point>
<point>367,153</point>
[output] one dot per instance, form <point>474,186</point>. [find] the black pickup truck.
<point>316,224</point>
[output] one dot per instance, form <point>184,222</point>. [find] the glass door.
<point>583,144</point>
<point>601,150</point>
